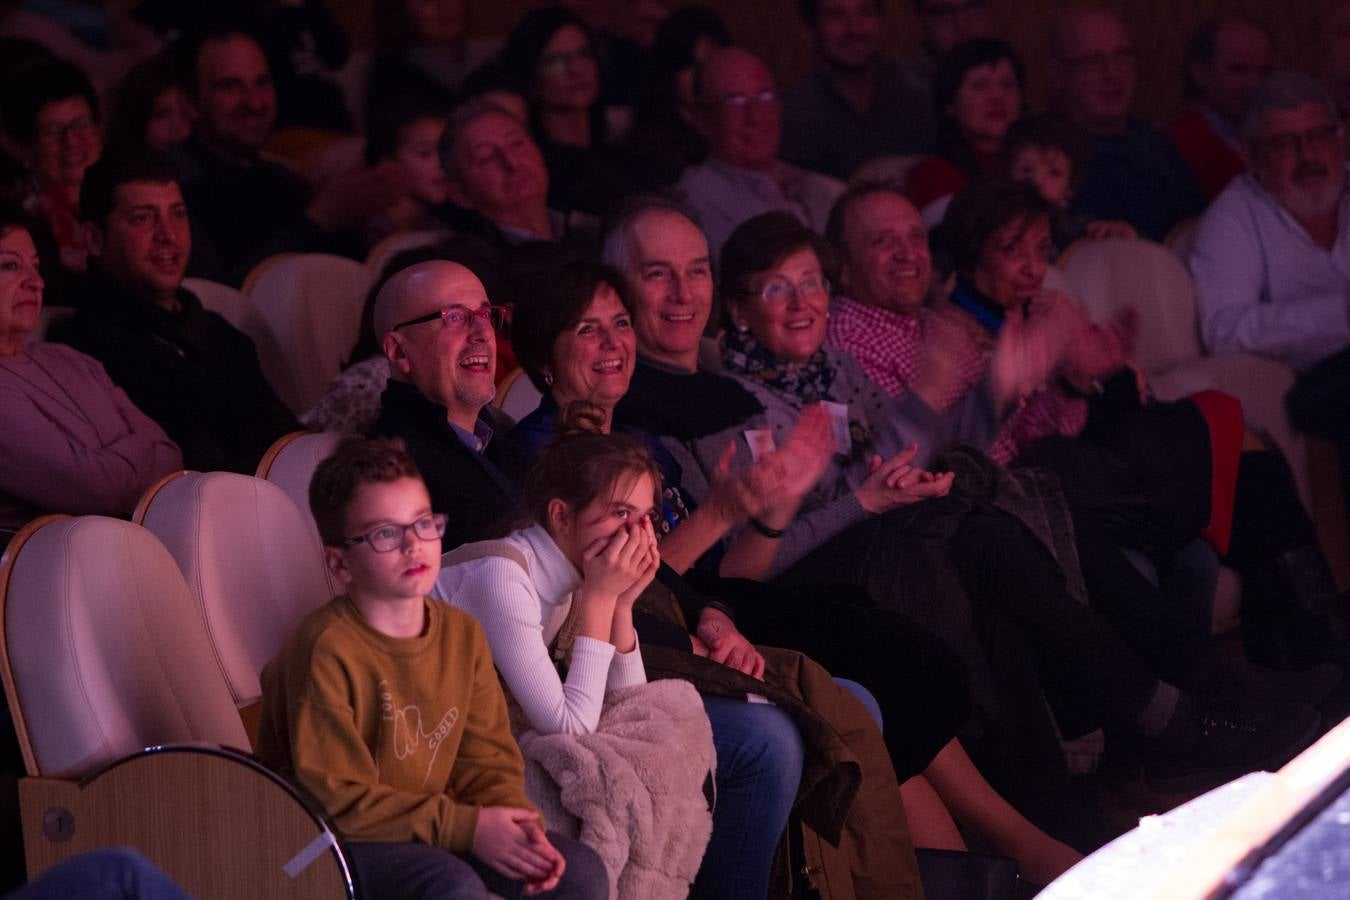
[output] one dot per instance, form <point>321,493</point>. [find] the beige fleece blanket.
<point>632,790</point>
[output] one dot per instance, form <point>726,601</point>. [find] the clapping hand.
<point>783,476</point>
<point>894,483</point>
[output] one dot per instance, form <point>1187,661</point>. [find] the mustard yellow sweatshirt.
<point>400,739</point>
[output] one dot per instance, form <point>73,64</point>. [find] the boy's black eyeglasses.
<point>392,537</point>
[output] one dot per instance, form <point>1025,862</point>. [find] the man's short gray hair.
<point>460,119</point>
<point>616,240</point>
<point>1283,90</point>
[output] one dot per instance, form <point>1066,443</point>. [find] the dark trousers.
<point>1082,661</point>
<point>918,682</point>
<point>408,871</point>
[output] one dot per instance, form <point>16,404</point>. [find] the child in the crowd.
<point>406,132</point>
<point>386,707</point>
<point>587,554</point>
<point>1049,152</point>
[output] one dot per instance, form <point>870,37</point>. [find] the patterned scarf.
<point>798,383</point>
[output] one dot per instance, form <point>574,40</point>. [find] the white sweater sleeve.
<point>499,594</point>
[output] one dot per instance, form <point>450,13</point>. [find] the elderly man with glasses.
<point>1135,173</point>
<point>1272,256</point>
<point>740,115</point>
<point>436,328</point>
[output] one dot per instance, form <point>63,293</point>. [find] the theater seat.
<point>231,304</point>
<point>103,655</point>
<point>312,305</point>
<point>517,396</point>
<point>380,255</point>
<point>252,563</point>
<point>290,463</point>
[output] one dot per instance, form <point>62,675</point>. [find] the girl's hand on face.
<point>611,565</point>
<point>646,561</point>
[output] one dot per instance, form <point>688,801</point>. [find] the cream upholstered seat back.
<point>290,463</point>
<point>252,563</point>
<point>312,305</point>
<point>1111,275</point>
<point>106,652</point>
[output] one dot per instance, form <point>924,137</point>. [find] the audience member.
<point>352,401</point>
<point>1226,60</point>
<point>73,443</point>
<point>665,139</point>
<point>977,94</point>
<point>495,170</point>
<point>245,208</point>
<point>407,132</point>
<point>188,368</point>
<point>421,818</point>
<point>1135,173</point>
<point>305,47</point>
<point>591,551</point>
<point>552,55</point>
<point>1272,257</point>
<point>435,324</point>
<point>854,105</point>
<point>51,114</point>
<point>1271,260</point>
<point>1047,151</point>
<point>740,117</point>
<point>421,50</point>
<point>150,110</point>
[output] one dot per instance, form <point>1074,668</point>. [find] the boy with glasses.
<point>386,707</point>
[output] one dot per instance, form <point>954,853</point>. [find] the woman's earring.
<point>548,379</point>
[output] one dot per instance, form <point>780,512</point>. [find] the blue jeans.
<point>759,766</point>
<point>117,874</point>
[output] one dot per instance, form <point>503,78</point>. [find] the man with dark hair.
<point>185,366</point>
<point>1135,173</point>
<point>1226,59</point>
<point>245,208</point>
<point>854,105</point>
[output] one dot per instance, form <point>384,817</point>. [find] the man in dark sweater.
<point>245,208</point>
<point>436,328</point>
<point>185,366</point>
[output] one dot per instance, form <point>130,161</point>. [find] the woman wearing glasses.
<point>552,57</point>
<point>51,111</point>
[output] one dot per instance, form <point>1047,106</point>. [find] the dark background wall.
<point>772,29</point>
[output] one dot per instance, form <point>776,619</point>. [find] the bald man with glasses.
<point>437,329</point>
